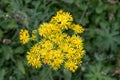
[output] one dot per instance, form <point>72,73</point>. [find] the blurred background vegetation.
<point>100,18</point>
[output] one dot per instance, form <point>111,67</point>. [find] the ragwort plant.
<point>60,43</point>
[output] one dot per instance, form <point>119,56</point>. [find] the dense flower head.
<point>77,28</point>
<point>58,47</point>
<point>33,56</point>
<point>62,19</point>
<point>24,36</point>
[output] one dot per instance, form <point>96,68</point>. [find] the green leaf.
<point>1,34</point>
<point>19,50</point>
<point>21,66</point>
<point>98,72</point>
<point>11,24</point>
<point>68,1</point>
<point>99,9</point>
<point>67,75</point>
<point>81,6</point>
<point>6,1</point>
<point>1,60</point>
<point>109,37</point>
<point>7,52</point>
<point>27,1</point>
<point>46,73</point>
<point>2,74</point>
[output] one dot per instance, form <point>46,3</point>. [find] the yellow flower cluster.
<point>56,48</point>
<point>62,19</point>
<point>24,36</point>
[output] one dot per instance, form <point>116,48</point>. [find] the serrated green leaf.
<point>94,72</point>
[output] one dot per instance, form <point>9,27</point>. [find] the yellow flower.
<point>47,29</point>
<point>54,58</point>
<point>46,44</point>
<point>77,28</point>
<point>76,40</point>
<point>62,19</point>
<point>71,65</point>
<point>33,56</point>
<point>33,59</point>
<point>24,36</point>
<point>56,48</point>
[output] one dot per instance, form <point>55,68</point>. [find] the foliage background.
<point>100,18</point>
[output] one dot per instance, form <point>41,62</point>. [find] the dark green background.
<point>100,18</point>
